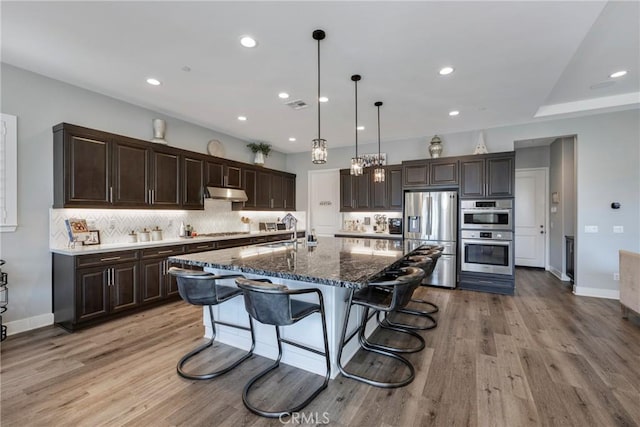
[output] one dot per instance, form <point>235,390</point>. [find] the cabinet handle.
<point>110,194</point>
<point>225,180</point>
<point>168,251</point>
<point>105,277</point>
<point>153,196</point>
<point>202,247</point>
<point>113,258</point>
<point>165,268</point>
<point>149,195</point>
<point>285,203</point>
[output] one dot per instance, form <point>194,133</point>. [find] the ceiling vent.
<point>297,104</point>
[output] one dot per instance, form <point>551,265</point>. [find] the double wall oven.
<point>486,236</point>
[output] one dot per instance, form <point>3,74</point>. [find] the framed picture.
<point>93,238</point>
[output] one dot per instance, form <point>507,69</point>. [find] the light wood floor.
<point>543,357</point>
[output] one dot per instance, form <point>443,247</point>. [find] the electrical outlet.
<point>616,276</point>
<point>590,228</point>
<point>170,223</point>
<point>112,224</point>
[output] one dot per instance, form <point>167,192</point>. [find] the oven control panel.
<point>489,235</point>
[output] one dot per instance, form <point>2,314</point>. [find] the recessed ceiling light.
<point>153,82</point>
<point>247,41</point>
<point>323,99</point>
<point>618,74</point>
<point>283,95</point>
<point>292,139</point>
<point>242,118</point>
<point>454,113</point>
<point>360,128</point>
<point>446,71</point>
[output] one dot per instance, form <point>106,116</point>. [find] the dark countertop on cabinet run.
<point>335,261</point>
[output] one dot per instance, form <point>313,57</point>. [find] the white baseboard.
<point>23,325</point>
<point>597,293</point>
<point>559,274</point>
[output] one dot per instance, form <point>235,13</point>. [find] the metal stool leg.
<point>252,381</point>
<point>208,376</point>
<point>424,314</point>
<point>360,331</point>
<point>434,308</point>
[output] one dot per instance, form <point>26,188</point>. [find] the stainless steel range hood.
<point>229,194</point>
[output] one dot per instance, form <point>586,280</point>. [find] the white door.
<point>530,217</point>
<point>324,201</point>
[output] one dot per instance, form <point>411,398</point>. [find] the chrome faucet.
<point>289,220</point>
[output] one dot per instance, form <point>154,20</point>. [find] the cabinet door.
<point>347,201</point>
<point>152,272</point>
<point>249,180</point>
<point>170,281</point>
<point>87,171</point>
<point>472,178</point>
<point>233,176</point>
<point>214,176</point>
<point>289,192</point>
<point>124,286</point>
<point>500,177</point>
<point>192,183</point>
<point>443,172</point>
<point>131,172</point>
<point>166,179</point>
<point>363,191</point>
<point>393,178</point>
<point>92,293</point>
<point>416,174</point>
<point>277,191</point>
<point>379,195</point>
<point>263,190</point>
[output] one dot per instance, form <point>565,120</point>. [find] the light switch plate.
<point>590,228</point>
<point>618,229</point>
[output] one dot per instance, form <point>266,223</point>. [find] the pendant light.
<point>319,146</point>
<point>378,172</point>
<point>356,162</point>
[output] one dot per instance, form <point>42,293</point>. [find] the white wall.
<point>607,151</point>
<point>41,103</point>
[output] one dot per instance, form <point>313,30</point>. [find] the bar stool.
<point>389,292</point>
<point>272,304</point>
<point>202,288</point>
<point>426,265</point>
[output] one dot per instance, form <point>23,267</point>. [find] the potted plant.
<point>261,150</point>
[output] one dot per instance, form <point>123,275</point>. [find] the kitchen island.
<point>336,266</point>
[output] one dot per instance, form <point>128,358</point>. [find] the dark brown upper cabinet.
<point>387,195</point>
<point>193,182</point>
<point>355,191</point>
<point>223,174</point>
<point>430,173</point>
<point>487,176</point>
<point>96,169</point>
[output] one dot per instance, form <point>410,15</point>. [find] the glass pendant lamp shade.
<point>319,151</point>
<point>378,172</point>
<point>319,145</point>
<point>357,163</point>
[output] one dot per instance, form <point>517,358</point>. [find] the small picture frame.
<point>93,238</point>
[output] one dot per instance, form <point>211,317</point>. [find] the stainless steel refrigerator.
<point>432,218</point>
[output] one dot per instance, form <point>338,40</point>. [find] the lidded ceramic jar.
<point>144,236</point>
<point>156,234</point>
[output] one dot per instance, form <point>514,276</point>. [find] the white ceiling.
<point>512,60</point>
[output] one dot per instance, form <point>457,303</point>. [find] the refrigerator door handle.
<point>429,227</point>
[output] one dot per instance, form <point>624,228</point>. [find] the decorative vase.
<point>435,148</point>
<point>159,128</point>
<point>259,158</point>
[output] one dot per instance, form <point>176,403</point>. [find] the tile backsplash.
<point>115,224</point>
<point>365,220</point>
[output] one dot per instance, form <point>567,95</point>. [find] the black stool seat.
<point>389,292</point>
<point>203,288</point>
<point>272,304</point>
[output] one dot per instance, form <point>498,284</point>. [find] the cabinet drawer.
<point>200,247</point>
<point>222,244</point>
<point>108,257</point>
<point>164,251</point>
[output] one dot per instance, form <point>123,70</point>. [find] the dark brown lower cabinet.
<point>104,290</point>
<point>89,289</point>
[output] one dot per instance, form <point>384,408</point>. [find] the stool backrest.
<point>196,287</point>
<point>268,303</point>
<point>403,281</point>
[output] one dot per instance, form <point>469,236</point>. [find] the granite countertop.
<point>114,247</point>
<point>335,261</point>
